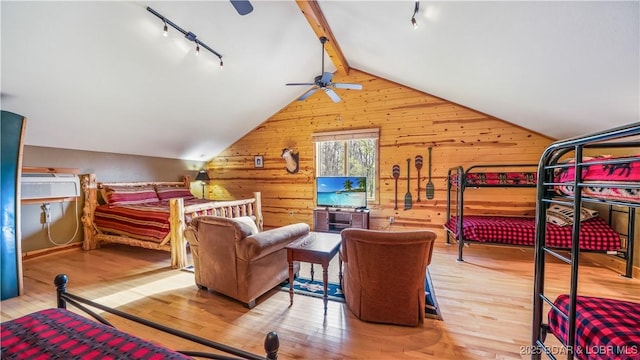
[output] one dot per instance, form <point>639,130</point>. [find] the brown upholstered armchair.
<point>231,257</point>
<point>384,274</point>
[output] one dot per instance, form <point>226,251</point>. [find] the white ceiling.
<point>100,76</point>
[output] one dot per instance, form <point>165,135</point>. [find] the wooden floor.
<point>485,301</point>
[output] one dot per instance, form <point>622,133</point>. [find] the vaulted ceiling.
<point>100,76</point>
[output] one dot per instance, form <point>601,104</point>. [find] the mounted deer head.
<point>291,160</point>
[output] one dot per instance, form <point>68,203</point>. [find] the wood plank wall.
<point>409,121</point>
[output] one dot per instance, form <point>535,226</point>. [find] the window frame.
<point>345,135</point>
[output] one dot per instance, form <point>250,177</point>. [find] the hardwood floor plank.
<point>485,301</point>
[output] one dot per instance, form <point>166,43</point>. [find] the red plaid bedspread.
<point>143,221</point>
<point>62,334</point>
<point>627,172</point>
<point>606,329</point>
<point>595,234</point>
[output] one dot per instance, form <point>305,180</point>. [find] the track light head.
<point>187,34</point>
<point>415,12</point>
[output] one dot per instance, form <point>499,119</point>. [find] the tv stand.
<point>334,220</point>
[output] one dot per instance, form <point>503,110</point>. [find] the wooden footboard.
<point>174,242</point>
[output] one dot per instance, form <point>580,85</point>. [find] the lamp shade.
<point>203,175</point>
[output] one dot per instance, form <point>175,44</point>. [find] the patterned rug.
<point>431,309</point>
<point>304,286</point>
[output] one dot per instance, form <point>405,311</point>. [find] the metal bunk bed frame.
<point>545,195</point>
<point>461,175</point>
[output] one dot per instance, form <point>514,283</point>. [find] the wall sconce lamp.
<point>203,176</point>
<point>415,12</point>
<point>187,34</point>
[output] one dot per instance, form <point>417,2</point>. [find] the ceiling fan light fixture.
<point>165,31</point>
<point>197,49</point>
<point>323,82</point>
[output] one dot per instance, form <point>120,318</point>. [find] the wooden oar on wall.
<point>408,200</point>
<point>418,163</point>
<point>430,188</point>
<point>396,175</point>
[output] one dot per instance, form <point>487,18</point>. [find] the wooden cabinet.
<point>325,220</point>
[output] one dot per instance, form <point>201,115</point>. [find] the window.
<point>349,153</point>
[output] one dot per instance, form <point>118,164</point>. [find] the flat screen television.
<point>341,191</point>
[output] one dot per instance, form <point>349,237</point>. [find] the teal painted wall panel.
<point>11,126</point>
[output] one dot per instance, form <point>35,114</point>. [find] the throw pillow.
<point>129,195</point>
<point>170,192</point>
<point>563,215</point>
<point>248,222</point>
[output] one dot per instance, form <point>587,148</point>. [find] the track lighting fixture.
<point>187,34</point>
<point>165,33</point>
<point>415,12</point>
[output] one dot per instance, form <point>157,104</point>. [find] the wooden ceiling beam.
<point>315,17</point>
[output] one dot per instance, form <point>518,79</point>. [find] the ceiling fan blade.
<point>306,84</point>
<point>332,94</point>
<point>307,94</point>
<point>347,86</point>
<point>243,7</point>
<point>326,77</point>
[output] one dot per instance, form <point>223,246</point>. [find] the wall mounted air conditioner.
<point>49,185</point>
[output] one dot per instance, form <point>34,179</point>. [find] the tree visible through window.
<point>349,153</point>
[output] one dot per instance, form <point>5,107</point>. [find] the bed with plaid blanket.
<point>66,335</point>
<point>149,221</point>
<point>595,233</point>
<point>60,333</point>
<point>604,177</point>
<point>605,328</point>
<point>495,175</point>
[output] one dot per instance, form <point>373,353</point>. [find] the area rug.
<point>307,287</point>
<point>314,288</point>
<point>431,309</point>
<point>304,286</point>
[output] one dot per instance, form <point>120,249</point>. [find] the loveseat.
<point>233,258</point>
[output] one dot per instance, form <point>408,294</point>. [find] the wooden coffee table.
<point>315,248</point>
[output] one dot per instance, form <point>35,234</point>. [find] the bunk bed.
<point>65,334</point>
<point>576,171</point>
<point>151,214</point>
<point>518,230</point>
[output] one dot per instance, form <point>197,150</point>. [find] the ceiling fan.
<point>324,82</point>
<point>243,7</point>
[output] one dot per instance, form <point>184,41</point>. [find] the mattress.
<point>62,334</point>
<point>605,328</point>
<point>605,177</point>
<point>595,233</point>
